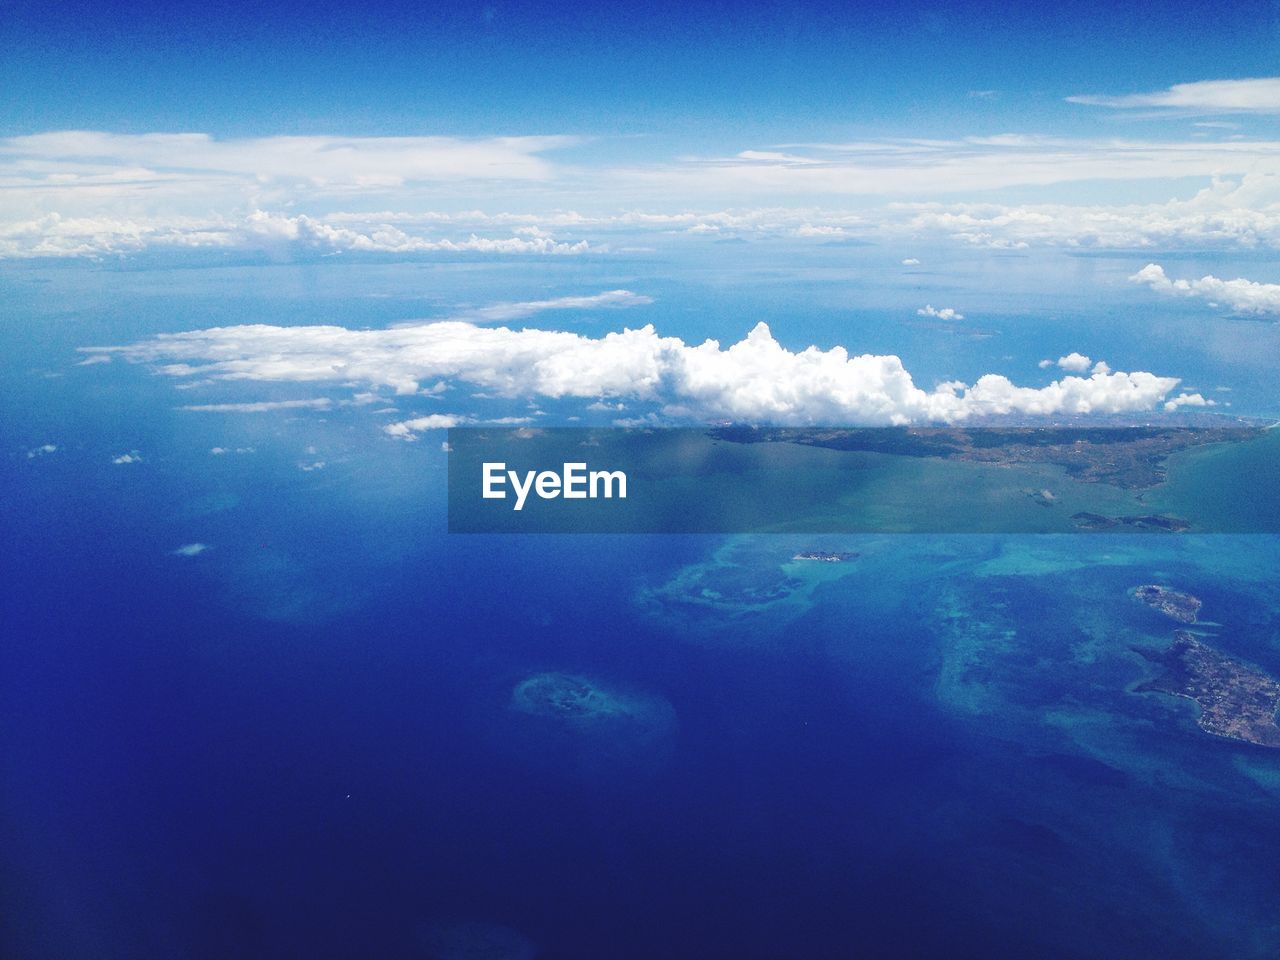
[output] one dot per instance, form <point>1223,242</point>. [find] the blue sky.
<point>692,74</point>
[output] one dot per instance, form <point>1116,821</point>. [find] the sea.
<point>252,707</point>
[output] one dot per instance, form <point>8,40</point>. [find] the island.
<point>1182,607</point>
<point>1236,700</point>
<point>824,557</point>
<point>1153,521</point>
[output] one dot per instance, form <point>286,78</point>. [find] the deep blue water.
<point>300,743</point>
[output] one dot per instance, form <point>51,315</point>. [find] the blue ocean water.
<point>300,742</point>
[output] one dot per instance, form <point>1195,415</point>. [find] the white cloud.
<point>220,451</point>
<point>1188,400</point>
<point>1257,95</point>
<point>1074,362</point>
<point>943,313</point>
<point>911,262</point>
<point>406,429</point>
<point>259,406</point>
<point>131,457</point>
<point>191,549</point>
<point>42,451</point>
<point>90,361</point>
<point>1242,296</point>
<point>930,167</point>
<point>754,380</point>
<point>611,299</point>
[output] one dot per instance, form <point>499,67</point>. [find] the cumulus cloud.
<point>42,451</point>
<point>943,313</point>
<point>1074,362</point>
<point>911,262</point>
<point>131,457</point>
<point>191,549</point>
<point>220,451</point>
<point>1188,400</point>
<point>1242,296</point>
<point>1257,95</point>
<point>754,380</point>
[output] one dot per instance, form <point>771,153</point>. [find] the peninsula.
<point>1132,458</point>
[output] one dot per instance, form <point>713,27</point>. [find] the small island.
<point>1182,607</point>
<point>1043,497</point>
<point>1236,700</point>
<point>1154,521</point>
<point>823,556</point>
<point>565,696</point>
<point>606,721</point>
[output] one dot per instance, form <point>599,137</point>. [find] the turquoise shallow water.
<point>1231,487</point>
<point>1071,802</point>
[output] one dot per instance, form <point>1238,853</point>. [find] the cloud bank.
<point>88,193</point>
<point>54,235</point>
<point>1228,213</point>
<point>756,380</point>
<point>1242,296</point>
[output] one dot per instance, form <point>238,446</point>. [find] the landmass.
<point>1132,458</point>
<point>1151,521</point>
<point>1236,700</point>
<point>823,557</point>
<point>1182,607</point>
